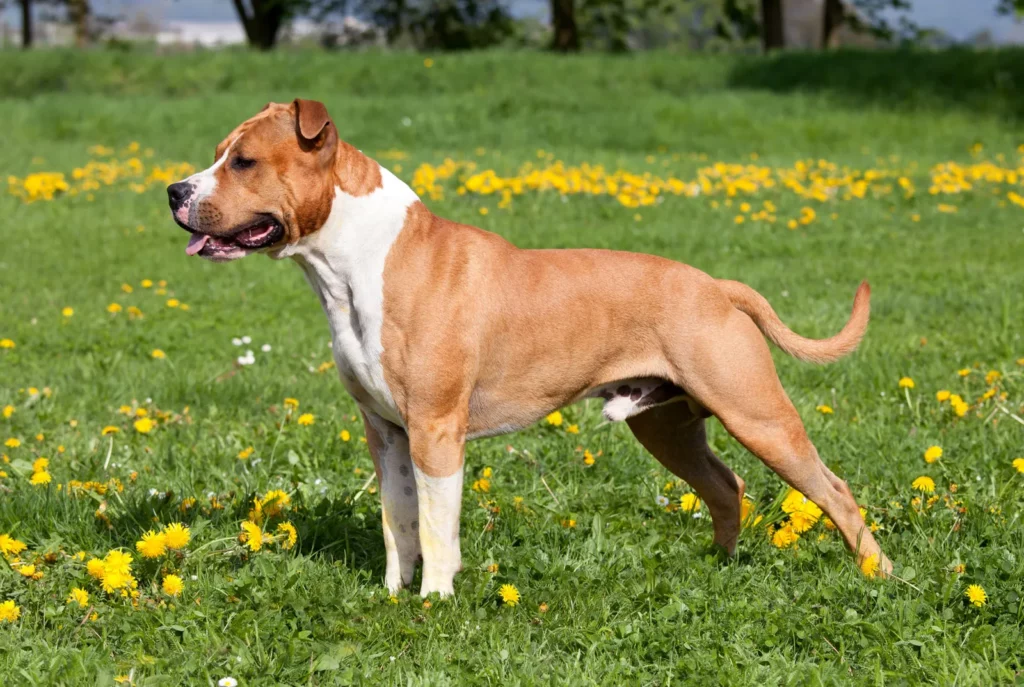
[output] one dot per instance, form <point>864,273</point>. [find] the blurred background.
<point>561,25</point>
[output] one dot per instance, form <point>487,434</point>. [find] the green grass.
<point>636,595</point>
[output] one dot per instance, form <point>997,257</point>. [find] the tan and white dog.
<point>443,332</point>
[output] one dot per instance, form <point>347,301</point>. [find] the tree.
<point>566,36</point>
<point>834,15</point>
<point>263,19</point>
<point>26,24</point>
<point>772,36</point>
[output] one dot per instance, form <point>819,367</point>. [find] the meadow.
<point>187,414</point>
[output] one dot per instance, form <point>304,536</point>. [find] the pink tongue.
<point>196,243</point>
<point>256,233</point>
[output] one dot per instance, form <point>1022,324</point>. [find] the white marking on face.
<point>440,503</point>
<point>344,263</point>
<point>203,185</point>
<point>399,507</point>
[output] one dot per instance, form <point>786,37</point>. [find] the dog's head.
<point>272,183</point>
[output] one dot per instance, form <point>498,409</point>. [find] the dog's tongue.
<point>196,243</point>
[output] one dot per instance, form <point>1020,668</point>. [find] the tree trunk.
<point>26,24</point>
<point>566,36</point>
<point>772,35</point>
<point>834,16</point>
<point>79,11</point>
<point>263,24</point>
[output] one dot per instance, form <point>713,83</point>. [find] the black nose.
<point>178,193</point>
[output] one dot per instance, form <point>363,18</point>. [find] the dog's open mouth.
<point>265,232</point>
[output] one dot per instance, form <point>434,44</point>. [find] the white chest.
<point>344,264</point>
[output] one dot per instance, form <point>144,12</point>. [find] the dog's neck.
<point>344,263</point>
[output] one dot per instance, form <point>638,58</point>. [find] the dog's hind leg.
<point>677,438</point>
<point>738,383</point>
<point>389,446</point>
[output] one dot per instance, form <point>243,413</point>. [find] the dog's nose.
<point>178,193</point>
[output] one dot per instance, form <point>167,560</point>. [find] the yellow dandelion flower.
<point>134,311</point>
<point>40,478</point>
<point>689,503</point>
<point>932,454</point>
<point>344,435</point>
<point>40,464</point>
<point>110,429</point>
<point>274,501</point>
<point>173,302</point>
<point>114,308</point>
<point>158,354</point>
<point>964,372</point>
<point>79,596</point>
<point>176,536</point>
<point>784,537</point>
<point>555,419</point>
<point>67,312</point>
<point>482,485</point>
<point>290,536</point>
<point>924,484</point>
<point>152,545</point>
<point>942,396</point>
<point>803,520</point>
<point>869,566</point>
<point>824,409</point>
<point>488,472</point>
<point>95,568</point>
<point>428,63</point>
<point>1018,464</point>
<point>172,585</point>
<point>509,594</point>
<point>906,383</point>
<point>7,343</point>
<point>8,411</point>
<point>127,288</point>
<point>9,546</point>
<point>9,611</point>
<point>245,453</point>
<point>118,562</point>
<point>291,403</point>
<point>573,429</point>
<point>12,443</point>
<point>143,425</point>
<point>252,535</point>
<point>588,458</point>
<point>306,419</point>
<point>976,595</point>
<point>27,570</point>
<point>146,283</point>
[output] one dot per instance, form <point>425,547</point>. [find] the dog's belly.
<point>491,415</point>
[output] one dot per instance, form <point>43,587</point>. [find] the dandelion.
<point>906,383</point>
<point>134,312</point>
<point>869,566</point>
<point>993,376</point>
<point>157,354</point>
<point>689,503</point>
<point>509,594</point>
<point>1018,464</point>
<point>291,403</point>
<point>784,537</point>
<point>12,443</point>
<point>942,396</point>
<point>173,302</point>
<point>274,501</point>
<point>27,570</point>
<point>114,308</point>
<point>176,536</point>
<point>932,454</point>
<point>252,535</point>
<point>79,596</point>
<point>588,458</point>
<point>287,530</point>
<point>824,409</point>
<point>110,429</point>
<point>573,429</point>
<point>143,425</point>
<point>245,453</point>
<point>964,372</point>
<point>976,595</point>
<point>40,478</point>
<point>9,611</point>
<point>924,484</point>
<point>172,585</point>
<point>40,464</point>
<point>7,343</point>
<point>482,485</point>
<point>67,312</point>
<point>554,419</point>
<point>306,419</point>
<point>152,545</point>
<point>9,546</point>
<point>428,63</point>
<point>127,288</point>
<point>95,568</point>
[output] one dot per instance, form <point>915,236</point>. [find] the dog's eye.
<point>242,163</point>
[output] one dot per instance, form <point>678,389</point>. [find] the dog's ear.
<point>312,118</point>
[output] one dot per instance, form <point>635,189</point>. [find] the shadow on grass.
<point>989,82</point>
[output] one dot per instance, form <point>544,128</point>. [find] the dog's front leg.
<point>389,446</point>
<point>438,449</point>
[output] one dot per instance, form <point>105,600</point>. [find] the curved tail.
<point>749,301</point>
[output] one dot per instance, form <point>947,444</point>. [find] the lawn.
<point>119,364</point>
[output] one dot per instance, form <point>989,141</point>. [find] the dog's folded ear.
<point>312,118</point>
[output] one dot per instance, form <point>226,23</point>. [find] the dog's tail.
<point>749,301</point>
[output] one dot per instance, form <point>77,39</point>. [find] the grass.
<point>634,593</point>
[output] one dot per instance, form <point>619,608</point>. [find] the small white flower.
<point>247,340</point>
<point>698,515</point>
<point>406,121</point>
<point>265,348</point>
<point>785,294</point>
<point>661,500</point>
<point>153,492</point>
<point>195,578</point>
<point>312,369</point>
<point>236,341</point>
<point>317,482</point>
<point>392,659</point>
<point>227,682</point>
<point>210,494</point>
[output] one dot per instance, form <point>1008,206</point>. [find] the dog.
<point>443,332</point>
